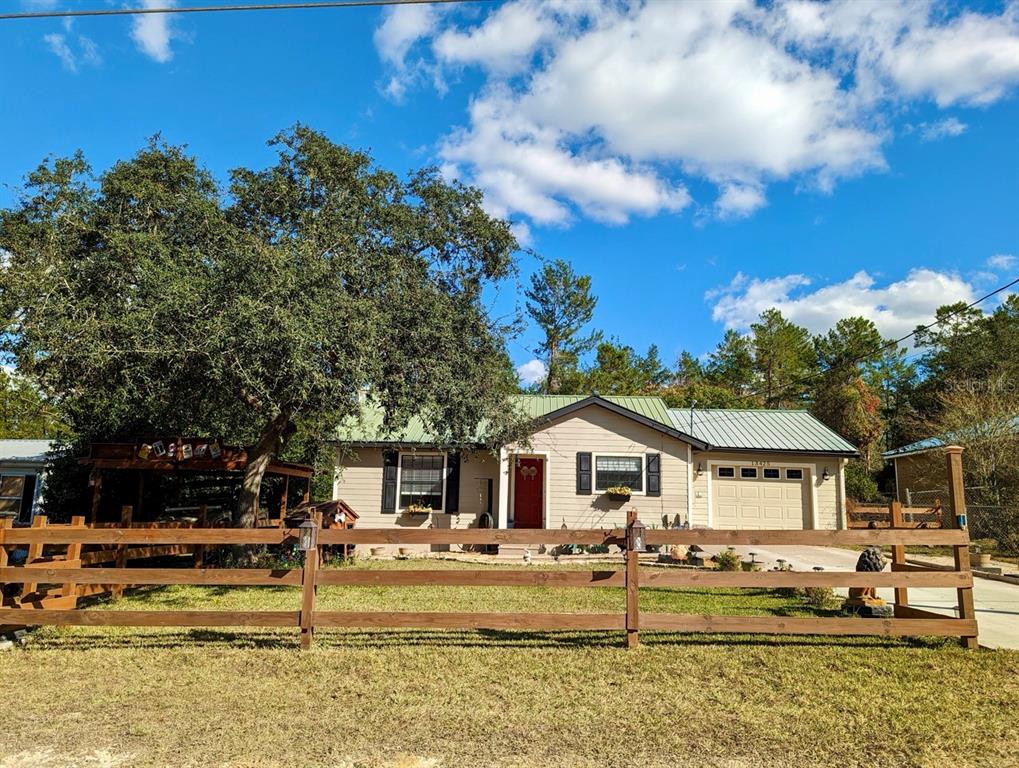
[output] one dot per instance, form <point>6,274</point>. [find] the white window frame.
<point>733,476</point>
<point>21,497</point>
<point>743,473</point>
<point>399,477</point>
<point>765,470</point>
<point>617,455</point>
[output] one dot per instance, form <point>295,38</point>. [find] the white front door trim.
<point>511,464</point>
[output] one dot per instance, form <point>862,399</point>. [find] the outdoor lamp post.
<point>635,536</point>
<point>308,535</point>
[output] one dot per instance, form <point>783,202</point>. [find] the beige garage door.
<point>760,497</point>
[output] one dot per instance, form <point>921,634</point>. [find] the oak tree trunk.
<point>259,457</point>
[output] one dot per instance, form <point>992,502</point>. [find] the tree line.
<point>151,299</point>
<point>876,394</point>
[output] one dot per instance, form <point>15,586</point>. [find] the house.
<point>22,473</point>
<point>700,468</point>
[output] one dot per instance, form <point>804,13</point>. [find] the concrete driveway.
<point>997,603</point>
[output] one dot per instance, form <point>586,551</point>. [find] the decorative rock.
<point>6,645</point>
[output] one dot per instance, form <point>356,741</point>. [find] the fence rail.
<point>907,621</point>
<point>862,516</point>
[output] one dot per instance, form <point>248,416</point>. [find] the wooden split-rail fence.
<point>908,621</point>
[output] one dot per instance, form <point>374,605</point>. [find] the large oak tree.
<point>149,299</point>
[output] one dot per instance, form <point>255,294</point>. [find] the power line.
<point>949,316</point>
<point>222,8</point>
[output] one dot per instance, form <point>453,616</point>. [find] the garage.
<point>772,497</point>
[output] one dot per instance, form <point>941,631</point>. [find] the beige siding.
<point>358,482</point>
<point>824,493</point>
<point>601,431</point>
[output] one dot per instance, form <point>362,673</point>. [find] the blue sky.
<point>700,161</point>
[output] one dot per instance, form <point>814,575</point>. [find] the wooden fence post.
<point>198,560</point>
<point>69,589</point>
<point>35,551</point>
<point>896,520</point>
<point>126,513</point>
<point>957,494</point>
<point>632,590</point>
<point>308,576</point>
<point>5,523</point>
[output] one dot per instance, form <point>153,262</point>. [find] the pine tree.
<point>560,302</point>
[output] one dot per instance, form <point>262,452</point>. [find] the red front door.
<point>528,493</point>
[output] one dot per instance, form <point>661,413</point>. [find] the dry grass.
<point>162,697</point>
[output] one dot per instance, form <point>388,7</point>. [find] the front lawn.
<point>171,697</point>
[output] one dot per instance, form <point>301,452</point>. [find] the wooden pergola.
<point>181,455</point>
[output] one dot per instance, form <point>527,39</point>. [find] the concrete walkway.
<point>997,603</point>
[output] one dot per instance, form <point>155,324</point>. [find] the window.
<point>613,471</point>
<point>794,474</point>
<point>771,474</point>
<point>726,472</point>
<point>421,478</point>
<point>750,472</point>
<point>12,490</point>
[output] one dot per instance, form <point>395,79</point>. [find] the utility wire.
<point>895,342</point>
<point>949,316</point>
<point>222,8</point>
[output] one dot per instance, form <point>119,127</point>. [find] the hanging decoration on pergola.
<point>182,456</point>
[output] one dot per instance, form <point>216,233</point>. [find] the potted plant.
<point>618,493</point>
<point>418,509</point>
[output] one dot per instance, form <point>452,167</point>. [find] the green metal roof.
<point>723,429</point>
<point>760,430</point>
<point>369,430</point>
<point>998,426</point>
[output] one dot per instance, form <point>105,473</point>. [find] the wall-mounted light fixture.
<point>826,475</point>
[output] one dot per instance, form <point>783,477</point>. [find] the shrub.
<point>860,484</point>
<point>820,597</point>
<point>728,560</point>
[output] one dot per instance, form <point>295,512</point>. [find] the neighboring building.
<point>920,468</point>
<point>22,473</point>
<point>702,468</point>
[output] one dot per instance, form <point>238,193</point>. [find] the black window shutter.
<point>654,474</point>
<point>583,473</point>
<point>389,462</point>
<point>452,483</point>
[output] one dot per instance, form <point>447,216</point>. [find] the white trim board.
<point>617,455</point>
<point>399,471</point>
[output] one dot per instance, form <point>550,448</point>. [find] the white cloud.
<point>503,43</point>
<point>612,108</point>
<point>404,25</point>
<point>974,59</point>
<point>533,170</point>
<point>531,372</point>
<point>61,46</point>
<point>950,126</point>
<point>1002,261</point>
<point>896,308</point>
<point>738,201</point>
<point>152,32</point>
<point>58,46</point>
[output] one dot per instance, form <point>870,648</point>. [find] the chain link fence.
<point>995,528</point>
